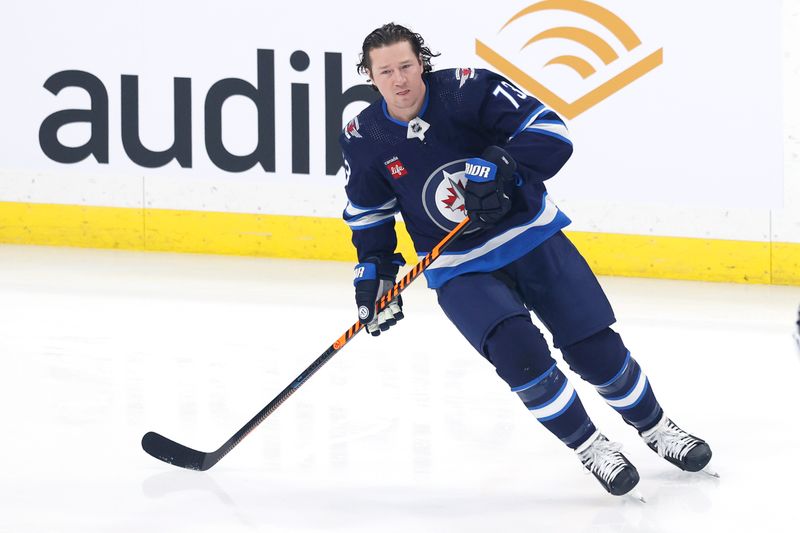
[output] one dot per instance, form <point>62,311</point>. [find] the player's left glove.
<point>373,278</point>
<point>487,195</point>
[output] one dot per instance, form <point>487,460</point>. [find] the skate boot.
<point>680,448</point>
<point>612,469</point>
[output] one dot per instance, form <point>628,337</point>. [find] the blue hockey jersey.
<point>417,168</point>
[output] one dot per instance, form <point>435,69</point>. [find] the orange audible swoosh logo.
<point>603,51</point>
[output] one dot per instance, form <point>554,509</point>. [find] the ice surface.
<point>411,431</point>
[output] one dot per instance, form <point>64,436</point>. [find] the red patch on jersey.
<point>396,168</point>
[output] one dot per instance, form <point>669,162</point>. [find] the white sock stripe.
<point>556,404</point>
<point>633,396</point>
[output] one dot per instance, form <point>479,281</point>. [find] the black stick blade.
<point>173,453</point>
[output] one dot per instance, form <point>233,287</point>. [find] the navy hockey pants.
<point>554,281</point>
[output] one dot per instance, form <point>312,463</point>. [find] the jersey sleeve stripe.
<point>530,120</point>
<point>367,214</point>
<point>559,131</point>
<point>352,209</point>
<point>370,220</point>
<point>372,225</point>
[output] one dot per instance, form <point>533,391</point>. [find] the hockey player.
<point>441,145</point>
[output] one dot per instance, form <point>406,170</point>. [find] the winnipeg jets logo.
<point>443,195</point>
<point>464,74</point>
<point>351,130</point>
<point>455,193</point>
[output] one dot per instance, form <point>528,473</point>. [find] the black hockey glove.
<point>373,278</point>
<point>487,196</point>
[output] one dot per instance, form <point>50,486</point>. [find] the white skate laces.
<point>678,447</point>
<point>601,457</point>
<point>670,440</point>
<point>605,462</point>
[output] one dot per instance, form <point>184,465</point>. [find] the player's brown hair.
<point>389,34</point>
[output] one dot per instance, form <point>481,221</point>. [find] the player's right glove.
<point>487,195</point>
<point>373,278</point>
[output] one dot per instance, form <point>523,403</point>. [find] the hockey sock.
<point>554,402</point>
<point>629,392</point>
<point>603,361</point>
<point>522,358</point>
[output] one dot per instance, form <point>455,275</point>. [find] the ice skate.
<point>680,448</point>
<point>612,469</point>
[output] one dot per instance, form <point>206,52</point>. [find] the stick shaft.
<point>398,287</point>
<point>171,452</point>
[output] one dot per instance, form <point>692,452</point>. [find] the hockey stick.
<point>177,454</point>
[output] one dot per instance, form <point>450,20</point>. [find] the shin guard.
<point>605,362</point>
<point>554,402</point>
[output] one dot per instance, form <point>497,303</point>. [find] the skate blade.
<point>636,495</point>
<point>709,472</point>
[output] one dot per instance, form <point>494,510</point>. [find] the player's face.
<point>397,73</point>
